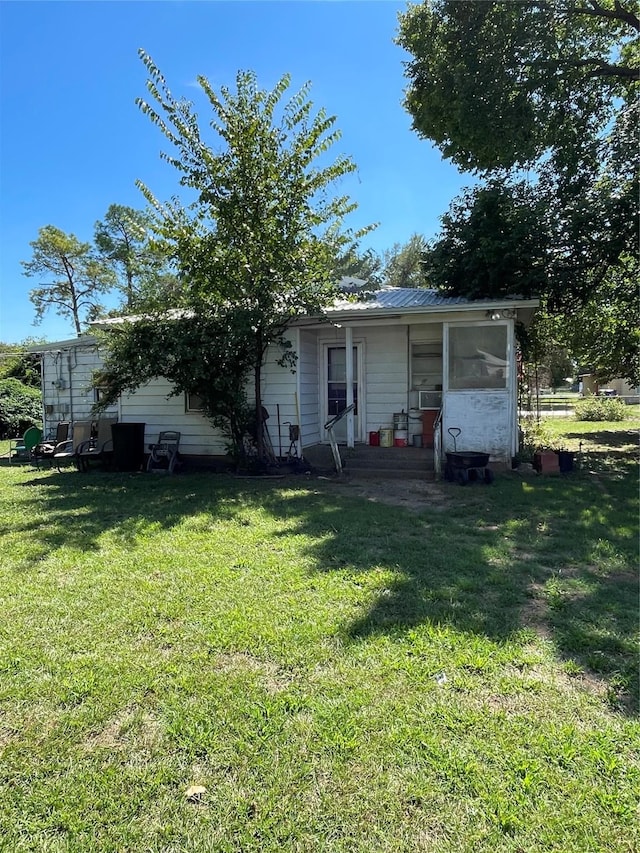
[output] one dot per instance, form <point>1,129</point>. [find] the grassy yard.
<point>338,673</point>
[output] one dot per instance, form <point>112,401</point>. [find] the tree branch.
<point>595,10</point>
<point>607,69</point>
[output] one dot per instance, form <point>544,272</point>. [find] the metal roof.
<point>401,298</point>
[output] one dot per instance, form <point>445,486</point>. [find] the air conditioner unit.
<point>429,399</point>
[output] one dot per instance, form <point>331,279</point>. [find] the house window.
<point>193,403</point>
<point>98,394</point>
<point>478,357</point>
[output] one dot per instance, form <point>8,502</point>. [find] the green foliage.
<point>404,265</point>
<point>78,277</point>
<point>365,265</point>
<point>601,409</point>
<point>605,331</point>
<point>20,407</point>
<point>491,244</point>
<point>547,92</point>
<point>255,249</point>
<point>201,354</point>
<point>495,84</point>
<point>18,364</point>
<point>535,435</point>
<point>125,239</point>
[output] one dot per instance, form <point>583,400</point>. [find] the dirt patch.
<point>415,495</point>
<point>272,677</point>
<point>127,726</point>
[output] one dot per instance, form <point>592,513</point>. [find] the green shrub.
<point>534,435</point>
<point>20,407</point>
<point>601,409</point>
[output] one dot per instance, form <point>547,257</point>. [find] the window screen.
<point>478,357</point>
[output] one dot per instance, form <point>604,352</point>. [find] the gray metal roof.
<point>401,298</point>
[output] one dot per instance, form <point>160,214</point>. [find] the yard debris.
<point>441,678</point>
<point>195,794</point>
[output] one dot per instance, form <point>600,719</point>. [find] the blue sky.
<point>72,140</point>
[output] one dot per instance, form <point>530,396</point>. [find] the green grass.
<point>339,674</point>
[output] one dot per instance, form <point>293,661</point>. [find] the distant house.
<point>413,352</point>
<point>590,383</point>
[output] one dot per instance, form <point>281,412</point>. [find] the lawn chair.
<point>98,449</point>
<point>20,448</point>
<point>66,450</point>
<point>44,450</point>
<point>163,456</point>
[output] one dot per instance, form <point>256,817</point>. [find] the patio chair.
<point>163,456</point>
<point>98,449</point>
<point>44,450</point>
<point>66,450</point>
<point>20,448</point>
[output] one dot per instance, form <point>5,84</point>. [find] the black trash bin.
<point>128,446</point>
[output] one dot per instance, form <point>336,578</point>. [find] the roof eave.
<point>489,305</point>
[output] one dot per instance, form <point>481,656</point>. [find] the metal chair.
<point>163,456</point>
<point>44,450</point>
<point>20,448</point>
<point>66,450</point>
<point>98,449</point>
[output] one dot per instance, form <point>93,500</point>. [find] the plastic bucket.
<point>417,440</point>
<point>386,438</point>
<point>374,439</point>
<point>401,421</point>
<point>400,438</point>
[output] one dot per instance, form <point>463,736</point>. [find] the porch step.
<point>410,463</point>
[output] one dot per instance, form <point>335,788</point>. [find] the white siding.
<point>484,420</point>
<point>67,389</point>
<point>152,406</point>
<point>487,418</point>
<point>309,388</point>
<point>279,386</point>
<point>386,374</point>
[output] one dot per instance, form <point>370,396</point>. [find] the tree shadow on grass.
<point>551,555</point>
<point>554,556</point>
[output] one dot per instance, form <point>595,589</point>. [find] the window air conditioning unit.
<point>429,399</point>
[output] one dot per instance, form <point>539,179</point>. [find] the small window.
<point>478,357</point>
<point>98,394</point>
<point>193,403</point>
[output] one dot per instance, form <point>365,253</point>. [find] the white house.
<point>413,351</point>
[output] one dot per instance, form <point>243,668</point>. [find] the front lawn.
<point>338,673</point>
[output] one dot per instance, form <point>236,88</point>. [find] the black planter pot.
<point>565,461</point>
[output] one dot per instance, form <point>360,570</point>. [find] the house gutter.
<point>357,314</point>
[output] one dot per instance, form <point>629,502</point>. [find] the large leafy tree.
<point>540,99</point>
<point>125,238</point>
<point>495,84</point>
<point>404,264</point>
<point>17,363</point>
<point>257,244</point>
<point>78,278</point>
